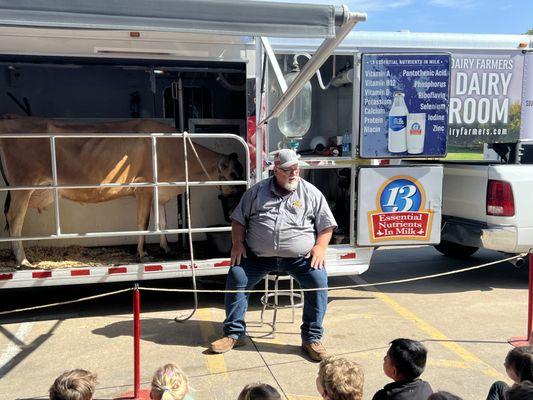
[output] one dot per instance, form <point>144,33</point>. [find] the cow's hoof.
<point>170,254</point>
<point>167,250</point>
<point>25,264</point>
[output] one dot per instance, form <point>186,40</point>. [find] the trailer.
<point>486,174</point>
<point>233,86</point>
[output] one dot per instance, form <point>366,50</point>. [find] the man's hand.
<point>318,254</point>
<point>237,252</point>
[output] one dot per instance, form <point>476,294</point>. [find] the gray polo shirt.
<point>280,225</point>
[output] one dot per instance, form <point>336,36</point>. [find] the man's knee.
<point>236,277</point>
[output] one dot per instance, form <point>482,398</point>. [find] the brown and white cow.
<point>27,161</point>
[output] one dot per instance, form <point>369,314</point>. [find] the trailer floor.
<point>464,320</point>
<point>48,257</point>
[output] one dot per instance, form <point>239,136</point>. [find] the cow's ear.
<point>233,156</point>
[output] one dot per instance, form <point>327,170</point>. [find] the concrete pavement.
<point>464,320</point>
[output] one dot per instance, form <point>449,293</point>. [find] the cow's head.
<point>230,169</point>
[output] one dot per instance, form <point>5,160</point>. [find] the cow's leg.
<point>144,204</point>
<point>15,219</point>
<point>163,243</point>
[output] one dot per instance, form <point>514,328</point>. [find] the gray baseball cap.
<point>285,158</point>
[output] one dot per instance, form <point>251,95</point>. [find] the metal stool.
<point>265,299</point>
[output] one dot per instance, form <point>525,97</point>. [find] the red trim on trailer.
<point>41,274</point>
<point>226,263</point>
<point>5,277</point>
<point>153,268</point>
<point>117,270</point>
<point>348,256</point>
<point>184,266</point>
<point>80,272</point>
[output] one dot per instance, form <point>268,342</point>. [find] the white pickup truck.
<point>487,205</point>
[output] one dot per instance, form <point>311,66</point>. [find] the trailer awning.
<point>224,17</point>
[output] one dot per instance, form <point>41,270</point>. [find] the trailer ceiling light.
<point>135,34</point>
<point>158,71</point>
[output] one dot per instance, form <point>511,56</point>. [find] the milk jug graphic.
<point>397,124</point>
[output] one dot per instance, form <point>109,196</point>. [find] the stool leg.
<point>264,300</point>
<point>276,304</point>
<point>291,281</point>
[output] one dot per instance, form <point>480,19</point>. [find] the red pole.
<point>136,342</point>
<point>528,339</point>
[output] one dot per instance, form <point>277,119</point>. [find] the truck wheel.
<point>451,249</point>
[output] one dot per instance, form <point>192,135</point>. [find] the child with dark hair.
<point>519,367</point>
<point>404,363</point>
<point>443,395</point>
<point>259,391</point>
<point>522,391</point>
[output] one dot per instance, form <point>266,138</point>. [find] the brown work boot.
<point>316,350</point>
<point>225,344</point>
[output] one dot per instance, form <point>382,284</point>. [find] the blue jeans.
<point>253,269</point>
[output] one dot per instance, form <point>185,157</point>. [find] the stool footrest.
<point>265,300</point>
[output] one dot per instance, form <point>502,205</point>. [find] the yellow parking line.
<point>216,364</point>
<point>434,333</point>
<point>270,341</point>
<point>449,363</point>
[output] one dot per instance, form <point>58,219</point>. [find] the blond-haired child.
<point>340,379</point>
<point>169,383</point>
<point>77,384</point>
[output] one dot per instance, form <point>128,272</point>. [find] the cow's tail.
<point>7,202</point>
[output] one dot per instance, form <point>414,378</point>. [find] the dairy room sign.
<point>485,98</point>
<point>404,105</point>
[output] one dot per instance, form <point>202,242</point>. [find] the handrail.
<point>114,234</point>
<point>155,184</point>
<point>119,185</point>
<point>121,135</point>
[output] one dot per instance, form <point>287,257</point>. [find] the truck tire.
<point>451,249</point>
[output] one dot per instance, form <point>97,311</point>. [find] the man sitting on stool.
<point>282,224</point>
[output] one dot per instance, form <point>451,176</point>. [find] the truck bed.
<point>464,205</point>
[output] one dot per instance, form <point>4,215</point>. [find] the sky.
<point>454,16</point>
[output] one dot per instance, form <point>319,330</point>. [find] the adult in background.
<point>282,224</point>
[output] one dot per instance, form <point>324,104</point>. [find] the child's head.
<point>340,379</point>
<point>519,364</point>
<point>169,383</point>
<point>77,384</point>
<point>259,391</point>
<point>405,360</point>
<point>443,395</point>
<point>522,391</point>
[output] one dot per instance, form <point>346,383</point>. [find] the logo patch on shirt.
<point>297,203</point>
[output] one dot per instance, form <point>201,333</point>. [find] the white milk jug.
<point>397,124</point>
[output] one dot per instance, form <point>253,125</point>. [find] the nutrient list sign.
<point>404,105</point>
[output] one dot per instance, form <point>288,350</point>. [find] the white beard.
<point>291,186</point>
